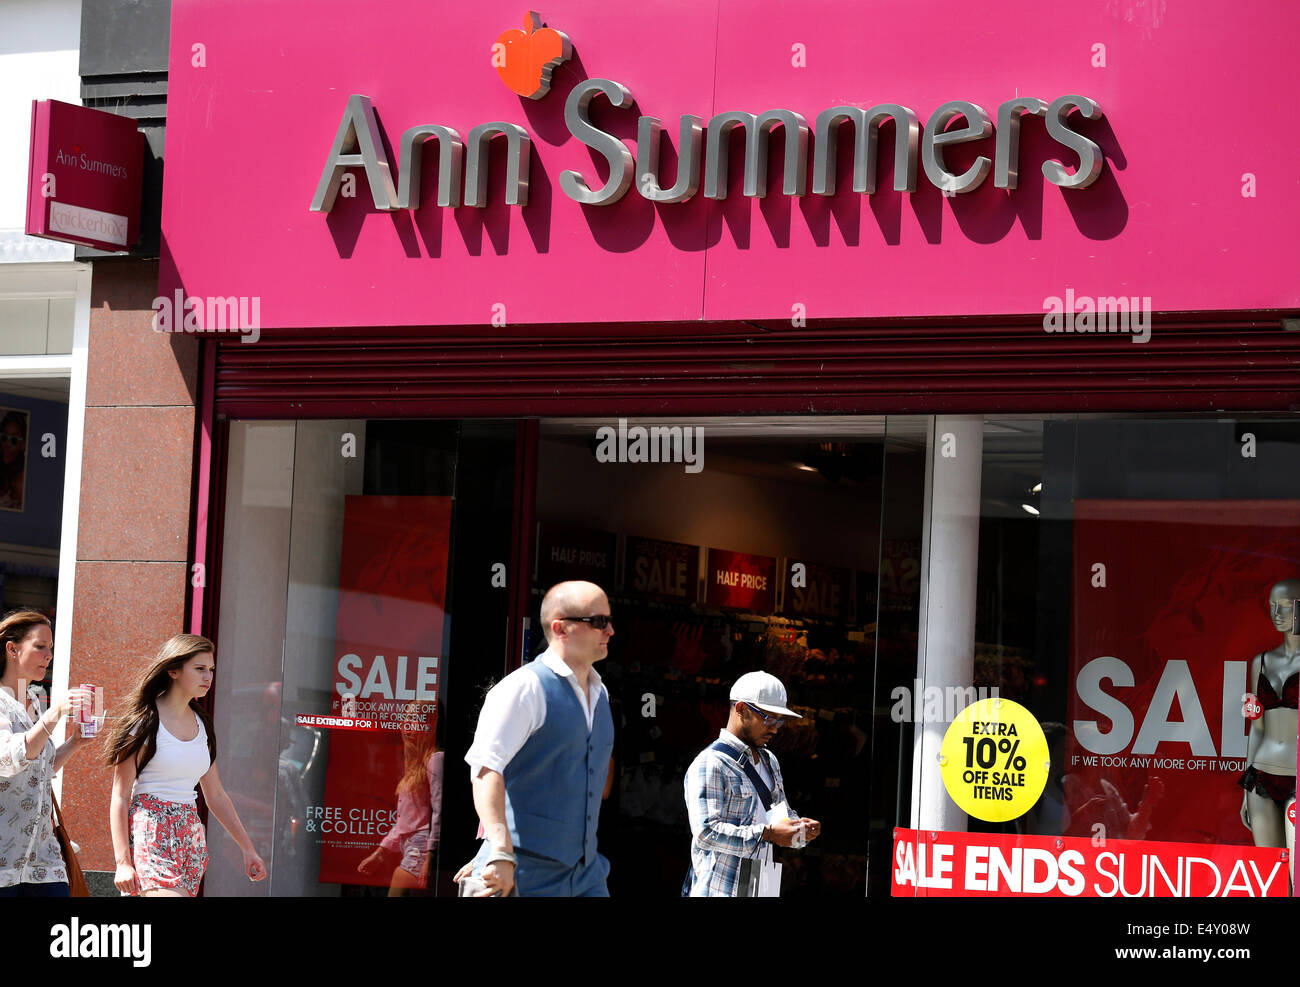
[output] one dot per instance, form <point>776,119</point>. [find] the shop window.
<point>725,547</point>
<point>347,548</point>
<point>1131,583</point>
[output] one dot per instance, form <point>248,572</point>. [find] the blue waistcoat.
<point>554,783</point>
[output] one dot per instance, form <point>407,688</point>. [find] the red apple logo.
<point>525,59</point>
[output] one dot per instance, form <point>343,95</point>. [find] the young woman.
<point>31,864</point>
<point>413,838</point>
<point>161,745</point>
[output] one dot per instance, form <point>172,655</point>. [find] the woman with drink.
<point>161,745</point>
<point>31,863</point>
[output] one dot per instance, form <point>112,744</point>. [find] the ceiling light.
<point>1029,509</point>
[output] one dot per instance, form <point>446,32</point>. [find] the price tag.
<point>1250,706</point>
<point>994,760</point>
<point>1290,813</point>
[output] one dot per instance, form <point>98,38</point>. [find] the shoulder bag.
<point>76,879</point>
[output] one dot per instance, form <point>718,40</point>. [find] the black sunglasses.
<point>600,621</point>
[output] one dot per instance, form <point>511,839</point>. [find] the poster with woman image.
<point>1173,601</point>
<point>14,426</point>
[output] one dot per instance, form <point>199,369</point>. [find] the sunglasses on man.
<point>768,721</point>
<point>600,621</point>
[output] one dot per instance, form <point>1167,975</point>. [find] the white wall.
<point>40,47</point>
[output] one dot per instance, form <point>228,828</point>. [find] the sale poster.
<point>900,575</point>
<point>1170,606</point>
<point>387,666</point>
<point>740,581</point>
<point>664,571</point>
<point>814,590</point>
<point>565,552</point>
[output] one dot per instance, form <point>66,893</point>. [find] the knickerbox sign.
<point>774,161</point>
<point>84,176</point>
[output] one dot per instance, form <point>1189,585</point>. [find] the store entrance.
<point>725,547</point>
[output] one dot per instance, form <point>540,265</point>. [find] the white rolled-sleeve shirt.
<point>515,709</point>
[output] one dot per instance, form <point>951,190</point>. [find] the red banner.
<point>1170,607</point>
<point>392,588</point>
<point>993,865</point>
<point>666,571</point>
<point>738,581</point>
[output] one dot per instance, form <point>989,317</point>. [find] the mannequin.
<point>1269,780</point>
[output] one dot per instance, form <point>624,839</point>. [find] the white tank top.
<point>175,768</point>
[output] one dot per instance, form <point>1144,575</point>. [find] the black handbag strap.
<point>760,786</point>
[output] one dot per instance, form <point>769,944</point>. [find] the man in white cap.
<point>735,799</point>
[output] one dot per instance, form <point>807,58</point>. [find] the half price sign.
<point>994,760</point>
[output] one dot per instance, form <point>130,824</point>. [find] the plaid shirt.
<point>727,817</point>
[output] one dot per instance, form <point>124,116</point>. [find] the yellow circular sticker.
<point>994,760</point>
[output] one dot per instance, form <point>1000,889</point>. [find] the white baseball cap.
<point>764,691</point>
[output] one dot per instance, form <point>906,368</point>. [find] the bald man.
<point>540,756</point>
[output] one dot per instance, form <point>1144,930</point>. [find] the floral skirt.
<point>168,846</point>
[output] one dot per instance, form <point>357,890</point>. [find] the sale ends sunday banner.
<point>387,655</point>
<point>1171,604</point>
<point>995,865</point>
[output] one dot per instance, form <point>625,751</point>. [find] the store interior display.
<point>672,664</point>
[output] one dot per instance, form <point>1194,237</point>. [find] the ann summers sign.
<point>357,143</point>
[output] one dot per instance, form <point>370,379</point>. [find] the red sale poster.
<point>740,581</point>
<point>387,655</point>
<point>1170,605</point>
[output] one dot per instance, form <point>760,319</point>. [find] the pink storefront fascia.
<point>1189,205</point>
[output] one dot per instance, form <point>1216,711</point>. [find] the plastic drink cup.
<point>86,719</point>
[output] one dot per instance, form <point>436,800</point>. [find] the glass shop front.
<point>1129,581</point>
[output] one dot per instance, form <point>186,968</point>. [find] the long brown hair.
<point>419,744</point>
<point>15,627</point>
<point>134,732</point>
